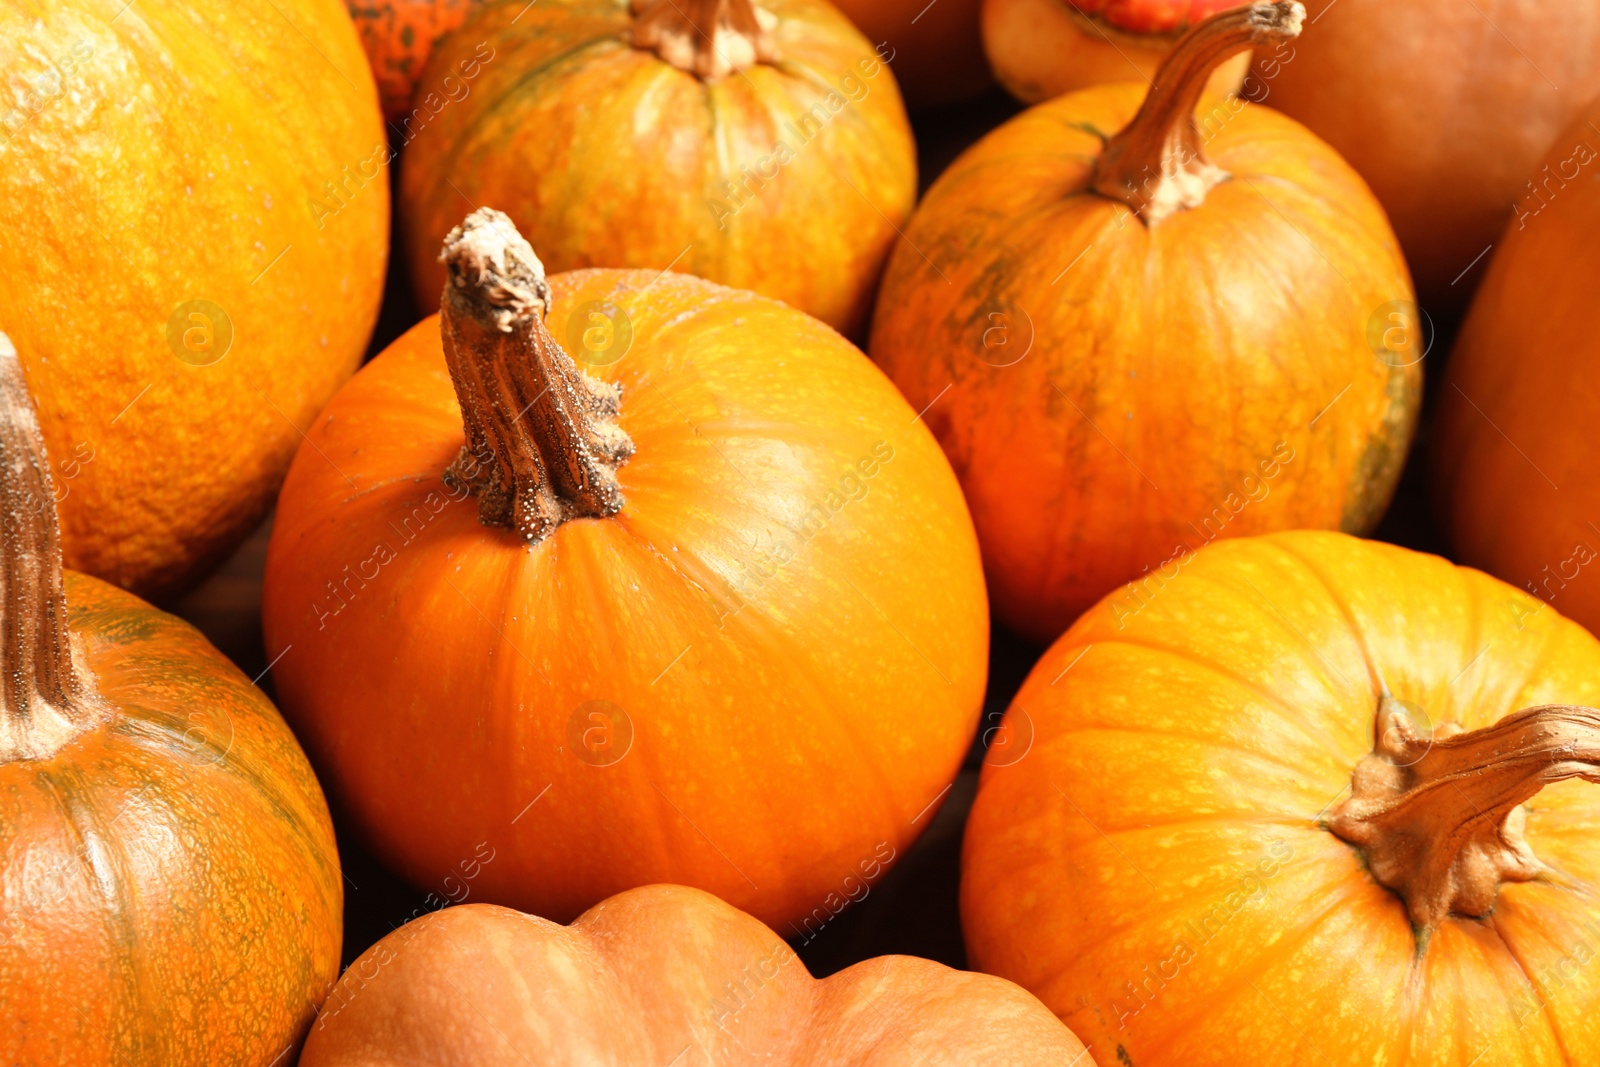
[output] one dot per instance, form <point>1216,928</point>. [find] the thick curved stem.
<point>1438,818</point>
<point>1158,165</point>
<point>543,445</point>
<point>709,38</point>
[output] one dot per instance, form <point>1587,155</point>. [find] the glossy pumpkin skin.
<point>127,192</point>
<point>1444,108</point>
<point>398,36</point>
<point>1162,833</point>
<point>787,618</point>
<point>646,975</point>
<point>1515,458</point>
<point>707,178</point>
<point>171,886</point>
<point>938,51</point>
<point>1073,356</point>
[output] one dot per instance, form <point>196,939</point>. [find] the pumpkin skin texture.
<point>702,176</point>
<point>647,975</point>
<point>179,152</point>
<point>1444,108</point>
<point>1159,869</point>
<point>1515,420</point>
<point>938,50</point>
<point>788,529</point>
<point>398,36</point>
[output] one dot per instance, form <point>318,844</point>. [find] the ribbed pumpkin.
<point>1040,49</point>
<point>936,49</point>
<point>657,976</point>
<point>398,36</point>
<point>194,222</point>
<point>169,887</point>
<point>1132,343</point>
<point>760,147</point>
<point>733,637</point>
<point>1515,457</point>
<point>1317,803</point>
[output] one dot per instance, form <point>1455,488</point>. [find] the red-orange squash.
<point>1133,343</point>
<point>936,49</point>
<point>710,613</point>
<point>169,887</point>
<point>398,36</point>
<point>1318,801</point>
<point>1515,459</point>
<point>194,222</point>
<point>656,976</point>
<point>777,159</point>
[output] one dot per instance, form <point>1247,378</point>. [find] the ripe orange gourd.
<point>1133,343</point>
<point>763,146</point>
<point>194,224</point>
<point>937,49</point>
<point>1321,800</point>
<point>398,37</point>
<point>725,629</point>
<point>657,973</point>
<point>1515,456</point>
<point>169,887</point>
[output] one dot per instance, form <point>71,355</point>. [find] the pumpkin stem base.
<point>709,38</point>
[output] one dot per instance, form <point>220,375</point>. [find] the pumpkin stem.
<point>1157,165</point>
<point>543,445</point>
<point>45,700</point>
<point>709,38</point>
<point>1439,818</point>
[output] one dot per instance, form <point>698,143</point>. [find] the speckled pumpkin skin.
<point>169,888</point>
<point>155,154</point>
<point>398,37</point>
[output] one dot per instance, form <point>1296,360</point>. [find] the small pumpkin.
<point>657,973</point>
<point>1040,49</point>
<point>1444,108</point>
<point>398,36</point>
<point>1137,328</point>
<point>936,49</point>
<point>1321,800</point>
<point>716,616</point>
<point>194,227</point>
<point>763,147</point>
<point>170,884</point>
<point>1514,454</point>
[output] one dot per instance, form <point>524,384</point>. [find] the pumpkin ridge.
<point>1357,633</point>
<point>1537,990</point>
<point>1263,758</point>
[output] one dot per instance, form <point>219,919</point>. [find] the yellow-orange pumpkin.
<point>1132,343</point>
<point>732,637</point>
<point>1317,802</point>
<point>194,220</point>
<point>169,888</point>
<point>398,36</point>
<point>935,49</point>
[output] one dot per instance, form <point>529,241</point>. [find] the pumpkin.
<point>936,49</point>
<point>716,617</point>
<point>1316,802</point>
<point>398,36</point>
<point>1136,328</point>
<point>1040,49</point>
<point>777,159</point>
<point>1514,454</point>
<point>1444,108</point>
<point>193,233</point>
<point>171,889</point>
<point>647,976</point>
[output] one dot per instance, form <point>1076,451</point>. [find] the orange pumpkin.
<point>170,885</point>
<point>777,160</point>
<point>398,36</point>
<point>1291,812</point>
<point>1444,107</point>
<point>650,975</point>
<point>1515,457</point>
<point>732,637</point>
<point>193,230</point>
<point>1040,49</point>
<point>1133,343</point>
<point>936,49</point>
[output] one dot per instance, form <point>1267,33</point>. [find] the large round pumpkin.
<point>936,49</point>
<point>1515,455</point>
<point>655,974</point>
<point>1443,107</point>
<point>1124,364</point>
<point>398,36</point>
<point>732,637</point>
<point>169,887</point>
<point>193,228</point>
<point>777,158</point>
<point>1291,812</point>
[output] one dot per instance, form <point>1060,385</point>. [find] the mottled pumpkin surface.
<point>169,887</point>
<point>398,36</point>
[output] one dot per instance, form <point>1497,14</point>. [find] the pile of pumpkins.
<point>627,588</point>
